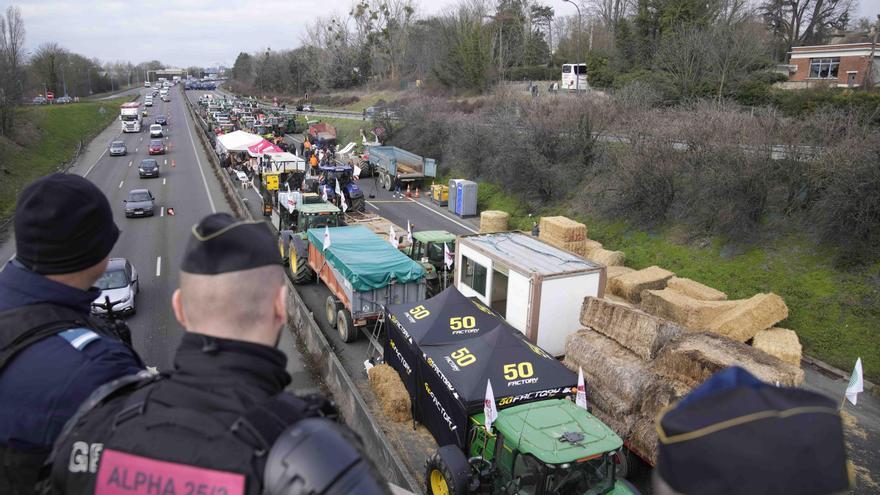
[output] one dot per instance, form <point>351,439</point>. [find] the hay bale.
<point>781,343</point>
<point>692,357</point>
<point>390,393</point>
<point>750,316</point>
<point>576,247</point>
<point>622,425</point>
<point>614,272</point>
<point>617,375</point>
<point>695,289</point>
<point>606,257</point>
<point>563,228</point>
<point>590,244</point>
<point>688,312</point>
<point>643,438</point>
<point>630,285</point>
<point>660,394</point>
<point>642,334</point>
<point>618,300</point>
<point>493,221</point>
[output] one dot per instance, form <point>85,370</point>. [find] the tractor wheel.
<point>386,182</point>
<point>330,309</point>
<point>358,204</point>
<point>298,267</point>
<point>447,472</point>
<point>347,331</point>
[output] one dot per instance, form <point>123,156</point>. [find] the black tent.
<point>445,350</point>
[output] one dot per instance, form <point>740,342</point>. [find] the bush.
<point>599,72</point>
<point>533,73</point>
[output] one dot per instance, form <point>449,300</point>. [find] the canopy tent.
<point>445,349</point>
<point>284,162</point>
<point>236,141</point>
<point>263,147</point>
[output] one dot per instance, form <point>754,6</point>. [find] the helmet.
<point>316,456</point>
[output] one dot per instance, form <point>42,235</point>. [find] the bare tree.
<point>805,22</point>
<point>11,67</point>
<point>736,52</point>
<point>610,12</point>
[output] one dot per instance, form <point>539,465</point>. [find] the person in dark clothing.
<point>220,420</point>
<point>53,354</point>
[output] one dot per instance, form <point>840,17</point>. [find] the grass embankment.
<point>46,137</point>
<point>836,313</point>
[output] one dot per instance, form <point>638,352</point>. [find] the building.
<point>843,65</point>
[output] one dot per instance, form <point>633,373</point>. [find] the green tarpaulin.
<point>366,260</point>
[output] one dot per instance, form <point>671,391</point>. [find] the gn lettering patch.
<point>127,474</point>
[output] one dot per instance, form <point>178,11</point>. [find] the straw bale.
<point>613,272</point>
<point>390,393</point>
<point>643,438</point>
<point>660,394</point>
<point>691,313</point>
<point>611,372</point>
<point>493,221</point>
<point>780,342</point>
<point>590,244</point>
<point>606,257</point>
<point>750,316</point>
<point>642,334</point>
<point>622,425</point>
<point>618,300</point>
<point>695,289</point>
<point>630,285</point>
<point>576,247</point>
<point>694,356</point>
<point>563,228</point>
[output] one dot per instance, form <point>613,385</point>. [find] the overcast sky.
<point>196,32</point>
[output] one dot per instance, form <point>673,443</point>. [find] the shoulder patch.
<point>79,338</point>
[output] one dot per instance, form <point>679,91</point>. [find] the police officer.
<point>53,355</point>
<point>220,423</point>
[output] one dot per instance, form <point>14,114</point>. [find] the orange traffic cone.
<point>408,191</point>
<point>170,212</point>
<point>418,194</point>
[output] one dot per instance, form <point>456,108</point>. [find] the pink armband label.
<point>127,474</point>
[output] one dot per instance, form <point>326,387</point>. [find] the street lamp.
<point>577,66</point>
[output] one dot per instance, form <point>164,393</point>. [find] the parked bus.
<point>574,77</point>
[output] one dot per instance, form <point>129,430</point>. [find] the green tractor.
<point>427,249</point>
<point>538,448</point>
<point>310,213</point>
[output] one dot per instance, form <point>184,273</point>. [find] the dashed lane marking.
<point>159,266</point>
<point>120,184</point>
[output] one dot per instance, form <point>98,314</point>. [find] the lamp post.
<point>577,66</point>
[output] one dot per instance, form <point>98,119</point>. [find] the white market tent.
<point>236,141</point>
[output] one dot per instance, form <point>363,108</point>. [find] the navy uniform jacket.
<point>43,385</point>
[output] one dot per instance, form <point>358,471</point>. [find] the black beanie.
<point>63,224</point>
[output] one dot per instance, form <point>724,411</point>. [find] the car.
<point>117,148</point>
<point>166,98</point>
<point>308,108</point>
<point>155,92</point>
<point>140,202</point>
<point>156,130</point>
<point>148,102</point>
<point>64,99</point>
<point>146,84</point>
<point>118,284</point>
<point>157,147</point>
<point>39,100</point>
<point>149,167</point>
<point>161,120</point>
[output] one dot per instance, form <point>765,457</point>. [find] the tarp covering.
<point>446,348</point>
<point>263,146</point>
<point>366,260</point>
<point>237,141</point>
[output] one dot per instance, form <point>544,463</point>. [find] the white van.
<point>156,130</point>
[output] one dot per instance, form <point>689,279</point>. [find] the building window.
<point>824,68</point>
<point>474,275</point>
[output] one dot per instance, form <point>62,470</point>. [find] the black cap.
<point>222,244</point>
<point>63,224</point>
<point>737,434</point>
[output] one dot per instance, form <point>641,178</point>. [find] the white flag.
<point>326,243</point>
<point>342,203</point>
<point>489,409</point>
<point>392,236</point>
<point>856,383</point>
<point>448,257</point>
<point>324,193</point>
<point>357,171</point>
<point>581,397</point>
<point>338,190</point>
<point>409,238</point>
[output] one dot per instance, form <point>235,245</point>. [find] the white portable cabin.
<point>536,287</point>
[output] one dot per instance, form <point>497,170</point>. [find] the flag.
<point>326,242</point>
<point>409,238</point>
<point>448,257</point>
<point>357,171</point>
<point>392,236</point>
<point>856,383</point>
<point>324,192</point>
<point>489,409</point>
<point>342,203</point>
<point>581,398</point>
<point>338,190</point>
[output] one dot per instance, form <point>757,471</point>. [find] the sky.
<point>202,33</point>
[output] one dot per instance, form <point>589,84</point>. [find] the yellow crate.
<point>440,193</point>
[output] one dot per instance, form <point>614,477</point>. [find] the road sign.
<point>50,95</point>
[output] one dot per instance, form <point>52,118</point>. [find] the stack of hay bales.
<point>493,221</point>
<point>564,233</point>
<point>390,393</point>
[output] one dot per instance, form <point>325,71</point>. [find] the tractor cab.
<point>427,250</point>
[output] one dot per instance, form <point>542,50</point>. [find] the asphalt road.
<point>155,245</point>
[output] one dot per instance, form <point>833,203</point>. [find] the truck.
<point>446,350</point>
<point>322,133</point>
<point>395,165</point>
<point>130,117</point>
<point>536,287</point>
<point>364,274</point>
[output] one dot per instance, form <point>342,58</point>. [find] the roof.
<point>321,207</point>
<point>238,140</point>
<point>131,104</point>
<point>529,254</point>
<point>839,50</point>
<point>433,236</point>
<point>539,426</point>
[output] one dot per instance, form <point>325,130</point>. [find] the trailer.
<point>395,165</point>
<point>536,287</point>
<point>364,273</point>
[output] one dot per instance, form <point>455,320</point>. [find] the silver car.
<point>117,148</point>
<point>140,203</point>
<point>119,285</point>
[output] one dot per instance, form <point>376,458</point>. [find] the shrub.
<point>533,73</point>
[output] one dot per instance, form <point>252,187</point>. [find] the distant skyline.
<point>201,33</point>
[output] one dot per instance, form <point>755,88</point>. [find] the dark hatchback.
<point>148,168</point>
<point>161,120</point>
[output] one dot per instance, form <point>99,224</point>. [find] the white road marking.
<point>135,150</point>
<point>166,161</point>
<point>456,222</point>
<point>96,161</point>
<point>162,212</point>
<point>201,169</point>
<point>120,184</point>
<point>129,163</point>
<point>163,181</point>
<point>159,266</point>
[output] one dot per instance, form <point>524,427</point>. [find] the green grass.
<point>347,130</point>
<point>836,314</point>
<point>50,135</point>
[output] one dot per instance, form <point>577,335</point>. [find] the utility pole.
<point>577,66</point>
<point>869,71</point>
